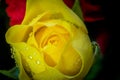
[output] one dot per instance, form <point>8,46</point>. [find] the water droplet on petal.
<point>30,57</point>
<point>12,56</point>
<point>38,62</point>
<point>12,50</point>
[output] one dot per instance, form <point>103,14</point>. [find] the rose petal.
<point>18,33</point>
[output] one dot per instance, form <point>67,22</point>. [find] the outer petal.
<point>17,56</point>
<point>82,44</point>
<point>37,7</point>
<point>29,60</point>
<point>18,33</point>
<point>32,65</point>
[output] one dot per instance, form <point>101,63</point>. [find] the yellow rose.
<point>50,44</point>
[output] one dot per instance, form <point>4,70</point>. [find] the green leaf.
<point>77,9</point>
<point>97,65</point>
<point>12,73</point>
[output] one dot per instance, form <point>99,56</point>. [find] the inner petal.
<point>39,34</point>
<point>70,62</point>
<point>53,49</point>
<point>51,41</point>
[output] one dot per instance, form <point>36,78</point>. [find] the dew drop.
<point>30,57</point>
<point>38,62</point>
<point>12,56</point>
<point>12,51</point>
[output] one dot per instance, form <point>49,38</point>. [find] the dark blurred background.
<point>6,62</point>
<point>111,60</point>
